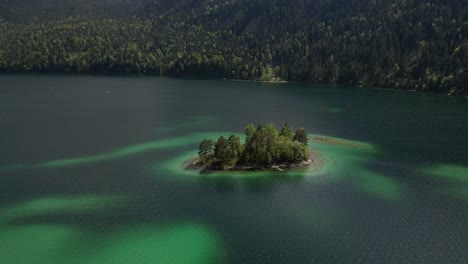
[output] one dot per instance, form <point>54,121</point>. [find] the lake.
<point>90,172</point>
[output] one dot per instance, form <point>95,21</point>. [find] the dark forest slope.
<point>408,44</point>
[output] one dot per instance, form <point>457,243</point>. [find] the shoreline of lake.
<point>317,162</point>
<point>208,78</point>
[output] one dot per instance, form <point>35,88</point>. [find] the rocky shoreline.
<point>195,164</point>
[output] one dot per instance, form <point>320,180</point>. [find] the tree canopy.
<point>407,44</point>
<point>264,146</point>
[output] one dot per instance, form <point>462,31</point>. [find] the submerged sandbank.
<point>338,141</point>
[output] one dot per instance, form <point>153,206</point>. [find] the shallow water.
<point>90,172</point>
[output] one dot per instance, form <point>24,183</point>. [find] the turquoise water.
<point>91,172</point>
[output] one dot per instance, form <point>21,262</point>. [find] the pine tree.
<point>221,150</point>
<point>286,131</point>
<point>205,150</point>
<point>301,136</point>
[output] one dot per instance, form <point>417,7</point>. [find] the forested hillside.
<point>407,44</point>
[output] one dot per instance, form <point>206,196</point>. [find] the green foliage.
<point>264,146</point>
<point>205,150</point>
<point>249,132</point>
<point>286,131</point>
<point>406,44</point>
<point>235,147</point>
<point>221,151</point>
<point>301,136</point>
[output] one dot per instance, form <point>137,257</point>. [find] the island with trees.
<point>265,148</point>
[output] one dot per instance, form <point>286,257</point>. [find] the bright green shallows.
<point>349,161</point>
<point>172,244</point>
<point>346,160</point>
<point>122,152</point>
<point>35,243</point>
<point>379,185</point>
<point>454,176</point>
<point>184,242</point>
<point>449,172</point>
<point>173,168</point>
<point>68,204</point>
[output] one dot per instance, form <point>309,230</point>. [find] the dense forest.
<point>407,44</point>
<point>264,146</point>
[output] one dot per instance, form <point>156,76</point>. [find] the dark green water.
<point>90,173</point>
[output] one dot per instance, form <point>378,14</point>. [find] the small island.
<point>265,148</point>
